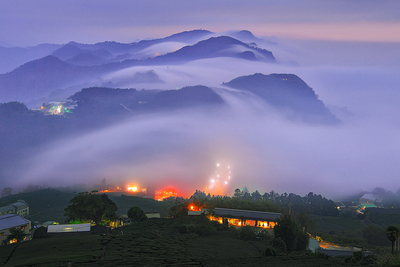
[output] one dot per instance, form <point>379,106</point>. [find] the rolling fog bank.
<point>265,149</point>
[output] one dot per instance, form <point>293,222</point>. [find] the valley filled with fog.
<point>268,148</point>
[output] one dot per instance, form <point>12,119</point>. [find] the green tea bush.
<point>279,245</point>
<point>247,233</point>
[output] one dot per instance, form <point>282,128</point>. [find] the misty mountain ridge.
<point>69,52</point>
<point>112,51</point>
<point>286,92</point>
<point>39,78</point>
<point>12,57</point>
<point>289,94</point>
<point>222,46</point>
<point>143,101</point>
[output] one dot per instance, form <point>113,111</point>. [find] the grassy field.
<point>154,242</point>
<point>340,226</point>
<point>157,242</point>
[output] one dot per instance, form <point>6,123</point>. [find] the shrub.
<point>247,233</point>
<point>200,229</point>
<point>359,258</point>
<point>182,229</point>
<point>263,235</point>
<point>388,259</point>
<point>137,214</point>
<point>279,245</point>
<point>269,252</point>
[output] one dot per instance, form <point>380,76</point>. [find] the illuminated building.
<point>234,217</point>
<point>9,221</point>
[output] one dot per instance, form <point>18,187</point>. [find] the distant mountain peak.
<point>221,46</point>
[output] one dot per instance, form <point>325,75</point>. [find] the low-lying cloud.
<point>265,149</point>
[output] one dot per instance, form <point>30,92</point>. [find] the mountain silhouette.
<point>39,77</point>
<point>222,46</point>
<point>286,92</point>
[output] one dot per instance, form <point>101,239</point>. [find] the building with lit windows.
<point>10,221</point>
<point>266,220</point>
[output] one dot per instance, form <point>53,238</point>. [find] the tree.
<point>6,191</point>
<point>179,210</point>
<point>307,222</point>
<point>87,206</point>
<point>238,193</point>
<point>256,196</point>
<point>17,234</point>
<point>392,232</point>
<point>291,233</point>
<point>137,214</point>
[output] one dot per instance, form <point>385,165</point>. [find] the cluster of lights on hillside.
<point>166,193</point>
<point>217,185</point>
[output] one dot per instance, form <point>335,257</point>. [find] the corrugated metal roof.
<point>66,228</point>
<point>12,220</point>
<point>247,214</point>
<point>6,209</point>
<point>19,204</point>
<point>370,196</point>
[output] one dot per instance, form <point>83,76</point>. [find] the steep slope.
<point>38,78</point>
<point>102,102</point>
<point>286,92</point>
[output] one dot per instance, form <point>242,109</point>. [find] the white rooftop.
<point>67,228</point>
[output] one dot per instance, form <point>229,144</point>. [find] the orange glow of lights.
<point>132,188</point>
<point>191,208</point>
<point>166,193</point>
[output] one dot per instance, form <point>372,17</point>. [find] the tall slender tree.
<point>392,233</point>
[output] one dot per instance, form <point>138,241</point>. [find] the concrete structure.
<point>20,207</point>
<point>9,221</point>
<point>246,217</point>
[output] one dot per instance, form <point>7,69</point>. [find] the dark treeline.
<point>272,201</point>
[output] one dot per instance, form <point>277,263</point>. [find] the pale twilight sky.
<point>47,21</point>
